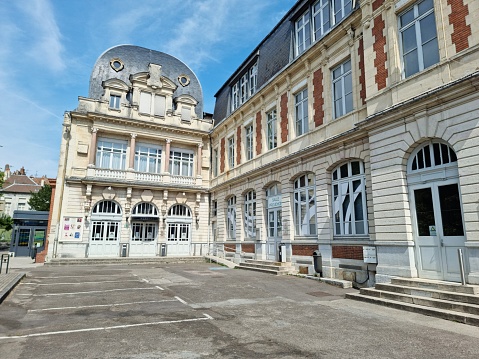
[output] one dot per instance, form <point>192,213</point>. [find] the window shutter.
<point>145,102</point>
<point>160,102</point>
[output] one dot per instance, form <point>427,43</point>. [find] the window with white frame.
<point>417,29</point>
<point>271,129</point>
<point>245,87</point>
<point>321,18</point>
<point>147,158</point>
<point>342,89</point>
<point>111,154</point>
<point>231,218</point>
<point>349,199</point>
<point>115,101</point>
<point>249,142</point>
<point>305,205</point>
<point>152,104</point>
<point>21,206</point>
<point>181,163</point>
<point>231,152</point>
<point>250,214</point>
<point>341,8</point>
<point>301,112</point>
<point>215,162</point>
<point>303,33</point>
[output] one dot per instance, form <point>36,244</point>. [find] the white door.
<point>143,239</point>
<point>104,239</point>
<point>274,233</point>
<point>439,229</point>
<point>178,239</point>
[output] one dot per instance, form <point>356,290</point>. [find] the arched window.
<point>305,205</point>
<point>432,155</point>
<point>231,217</point>
<point>349,199</point>
<point>179,210</point>
<point>250,214</point>
<point>145,209</point>
<point>107,207</point>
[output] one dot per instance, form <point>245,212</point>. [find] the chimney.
<point>22,171</point>
<point>7,172</point>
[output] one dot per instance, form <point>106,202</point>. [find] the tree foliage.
<point>6,222</point>
<point>2,176</point>
<point>40,201</point>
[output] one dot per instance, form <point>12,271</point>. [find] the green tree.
<point>6,222</point>
<point>2,174</point>
<point>40,201</point>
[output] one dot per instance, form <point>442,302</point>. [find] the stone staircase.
<point>444,300</point>
<point>277,268</point>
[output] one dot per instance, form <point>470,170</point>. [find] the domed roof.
<point>136,59</point>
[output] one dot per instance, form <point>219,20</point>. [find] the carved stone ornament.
<point>147,195</point>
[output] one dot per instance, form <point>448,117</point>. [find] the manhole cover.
<point>319,294</point>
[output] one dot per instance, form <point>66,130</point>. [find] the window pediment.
<point>144,79</point>
<point>115,84</point>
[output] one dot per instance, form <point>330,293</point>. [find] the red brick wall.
<point>303,249</point>
<point>379,50</point>
<point>377,4</point>
<point>247,248</point>
<point>362,76</point>
<point>457,18</point>
<point>284,118</point>
<point>238,145</point>
<point>318,97</point>
<point>259,143</point>
<point>222,155</point>
<point>229,247</point>
<point>348,252</point>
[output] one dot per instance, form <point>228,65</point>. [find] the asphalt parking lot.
<point>202,310</point>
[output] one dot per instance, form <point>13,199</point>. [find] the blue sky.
<point>48,48</point>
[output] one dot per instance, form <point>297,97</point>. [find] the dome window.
<point>117,64</point>
<point>184,80</point>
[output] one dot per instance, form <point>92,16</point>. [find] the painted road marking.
<point>101,305</point>
<point>145,280</point>
<point>81,276</point>
<point>181,300</point>
<point>159,287</point>
<point>106,281</point>
<point>89,292</point>
<point>206,317</point>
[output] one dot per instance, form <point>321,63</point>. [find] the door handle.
<point>442,242</point>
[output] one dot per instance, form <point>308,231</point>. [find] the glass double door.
<point>179,236</point>
<point>439,229</point>
<point>27,239</point>
<point>143,239</point>
<point>274,234</point>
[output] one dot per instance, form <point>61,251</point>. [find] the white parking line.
<point>106,281</point>
<point>181,300</point>
<point>88,292</point>
<point>145,280</point>
<point>159,287</point>
<point>206,317</point>
<point>81,276</point>
<point>101,305</point>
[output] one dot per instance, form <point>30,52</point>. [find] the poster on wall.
<point>72,228</point>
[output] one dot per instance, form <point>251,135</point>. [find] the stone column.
<point>91,158</point>
<point>167,156</point>
<point>200,159</point>
<point>131,161</point>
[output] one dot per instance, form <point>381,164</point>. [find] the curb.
<point>5,291</point>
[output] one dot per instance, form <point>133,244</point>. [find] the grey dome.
<point>136,59</point>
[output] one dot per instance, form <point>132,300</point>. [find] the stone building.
<point>134,170</point>
<point>352,129</point>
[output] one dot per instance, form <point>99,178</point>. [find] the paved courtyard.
<point>207,311</point>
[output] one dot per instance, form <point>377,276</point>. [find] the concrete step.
<point>460,317</point>
<point>265,266</point>
<point>429,293</point>
<point>127,260</point>
<point>439,285</point>
<point>279,264</point>
<point>262,269</point>
<point>423,301</point>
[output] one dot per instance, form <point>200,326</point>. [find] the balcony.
<point>133,176</point>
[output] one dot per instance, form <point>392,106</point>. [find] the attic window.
<point>184,80</point>
<point>117,64</point>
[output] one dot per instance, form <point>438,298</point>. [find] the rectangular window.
<point>341,8</point>
<point>246,86</point>
<point>271,129</point>
<point>215,162</point>
<point>321,18</point>
<point>21,206</point>
<point>214,208</point>
<point>231,152</point>
<point>145,103</point>
<point>186,113</point>
<point>147,158</point>
<point>301,112</point>
<point>181,163</point>
<point>231,218</point>
<point>417,28</point>
<point>111,154</point>
<point>249,142</point>
<point>152,104</point>
<point>115,101</point>
<point>303,33</point>
<point>160,105</point>
<point>342,89</point>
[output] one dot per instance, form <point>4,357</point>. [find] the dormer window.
<point>115,101</point>
<point>245,87</point>
<point>152,104</point>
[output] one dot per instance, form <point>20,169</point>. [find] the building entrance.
<point>179,231</point>
<point>275,233</point>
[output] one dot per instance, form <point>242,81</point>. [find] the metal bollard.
<point>461,265</point>
<point>4,259</point>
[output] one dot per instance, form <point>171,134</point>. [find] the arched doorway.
<point>436,210</point>
<point>105,230</point>
<point>144,230</point>
<point>179,230</point>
